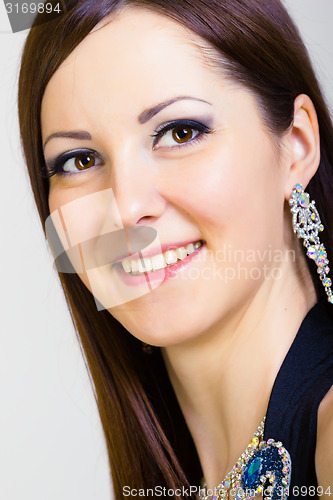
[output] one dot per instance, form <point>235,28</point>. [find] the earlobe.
<point>304,144</point>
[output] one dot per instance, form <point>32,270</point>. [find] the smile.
<point>159,261</point>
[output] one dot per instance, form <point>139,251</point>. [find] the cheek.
<point>86,215</point>
<point>84,224</point>
<point>234,188</point>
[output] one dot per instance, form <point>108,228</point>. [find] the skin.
<point>225,189</point>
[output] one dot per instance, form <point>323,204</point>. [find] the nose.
<point>136,190</point>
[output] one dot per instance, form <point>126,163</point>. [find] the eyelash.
<point>193,125</point>
<point>55,167</point>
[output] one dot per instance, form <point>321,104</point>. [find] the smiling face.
<point>160,136</point>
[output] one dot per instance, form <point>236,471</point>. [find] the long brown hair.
<point>147,438</point>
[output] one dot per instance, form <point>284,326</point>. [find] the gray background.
<point>52,446</point>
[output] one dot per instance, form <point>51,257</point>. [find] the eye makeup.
<point>56,165</point>
<point>183,138</point>
<point>180,124</point>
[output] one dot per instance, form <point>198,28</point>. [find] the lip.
<point>164,247</point>
<point>154,278</point>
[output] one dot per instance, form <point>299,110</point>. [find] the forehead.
<point>133,60</point>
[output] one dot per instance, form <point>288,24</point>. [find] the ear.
<point>303,145</point>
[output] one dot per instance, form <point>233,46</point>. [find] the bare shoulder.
<point>324,448</point>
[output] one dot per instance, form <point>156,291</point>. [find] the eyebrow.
<point>145,116</point>
<point>150,112</point>
<point>75,134</point>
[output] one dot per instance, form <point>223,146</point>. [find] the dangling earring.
<point>307,225</point>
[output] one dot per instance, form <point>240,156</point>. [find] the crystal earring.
<point>307,225</point>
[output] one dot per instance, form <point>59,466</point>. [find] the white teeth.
<point>135,266</point>
<point>190,249</point>
<point>148,265</point>
<point>181,253</point>
<point>170,257</point>
<point>141,268</point>
<point>159,261</point>
<point>126,266</point>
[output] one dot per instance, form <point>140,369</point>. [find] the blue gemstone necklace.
<point>264,469</point>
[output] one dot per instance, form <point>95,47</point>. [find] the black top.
<point>303,380</point>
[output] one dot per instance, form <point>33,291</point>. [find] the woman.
<point>170,144</point>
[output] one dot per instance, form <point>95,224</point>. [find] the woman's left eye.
<point>175,134</point>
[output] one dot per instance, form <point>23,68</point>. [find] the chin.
<point>163,326</point>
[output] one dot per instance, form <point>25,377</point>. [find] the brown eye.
<point>179,134</point>
<point>182,134</point>
<point>84,161</point>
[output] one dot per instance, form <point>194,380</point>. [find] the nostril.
<point>147,219</point>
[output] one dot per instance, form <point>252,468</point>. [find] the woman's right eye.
<point>72,162</point>
<point>81,162</point>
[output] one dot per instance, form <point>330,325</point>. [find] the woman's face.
<point>198,166</point>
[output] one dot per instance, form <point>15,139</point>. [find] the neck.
<point>224,378</point>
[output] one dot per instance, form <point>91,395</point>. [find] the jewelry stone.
<point>321,256</point>
<point>252,473</point>
<point>312,252</point>
<point>304,200</point>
